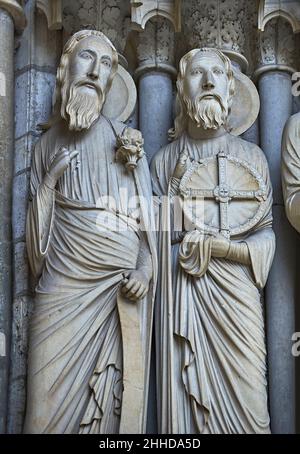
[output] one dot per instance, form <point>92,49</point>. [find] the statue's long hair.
<point>62,71</point>
<point>181,118</point>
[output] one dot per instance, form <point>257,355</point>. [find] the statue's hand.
<point>220,247</point>
<point>182,165</point>
<point>60,162</point>
<point>136,285</point>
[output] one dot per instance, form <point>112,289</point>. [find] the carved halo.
<point>245,106</point>
<point>121,98</point>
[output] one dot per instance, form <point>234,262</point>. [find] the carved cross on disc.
<point>233,194</point>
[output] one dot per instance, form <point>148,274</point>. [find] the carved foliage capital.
<point>109,16</point>
<point>224,24</point>
<point>277,46</point>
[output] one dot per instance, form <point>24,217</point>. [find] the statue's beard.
<point>81,107</point>
<point>210,113</point>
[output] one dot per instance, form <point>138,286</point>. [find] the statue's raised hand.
<point>182,164</point>
<point>60,162</point>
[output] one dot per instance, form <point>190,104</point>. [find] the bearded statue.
<point>93,262</point>
<point>210,341</point>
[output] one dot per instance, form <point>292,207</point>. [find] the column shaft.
<point>155,110</point>
<point>276,108</point>
<point>6,170</point>
<point>252,134</point>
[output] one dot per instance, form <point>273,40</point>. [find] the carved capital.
<point>276,48</point>
<point>16,11</point>
<point>144,10</point>
<point>223,24</point>
<point>53,11</point>
<point>286,9</point>
<point>155,49</point>
<point>109,16</point>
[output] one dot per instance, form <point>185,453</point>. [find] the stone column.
<point>155,75</point>
<point>35,67</point>
<point>274,82</point>
<point>252,134</point>
<point>10,15</point>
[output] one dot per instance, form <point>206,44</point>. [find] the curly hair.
<point>181,119</point>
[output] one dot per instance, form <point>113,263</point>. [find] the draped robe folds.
<point>79,250</point>
<point>291,170</point>
<point>210,340</point>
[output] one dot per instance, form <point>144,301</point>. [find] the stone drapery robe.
<point>210,337</point>
<point>75,357</point>
<point>291,170</point>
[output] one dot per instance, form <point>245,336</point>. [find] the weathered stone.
<point>275,90</point>
<point>21,310</point>
<point>280,300</point>
<point>156,95</point>
<point>23,149</point>
<point>35,107</point>
<point>36,60</point>
<point>20,202</point>
<point>38,46</point>
<point>272,85</point>
<point>6,169</point>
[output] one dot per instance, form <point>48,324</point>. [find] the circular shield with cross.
<point>223,195</point>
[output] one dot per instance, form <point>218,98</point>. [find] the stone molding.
<point>53,11</point>
<point>267,68</point>
<point>16,11</point>
<point>143,11</point>
<point>288,10</point>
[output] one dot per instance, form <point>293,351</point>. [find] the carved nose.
<point>93,75</point>
<point>94,71</point>
<point>208,85</point>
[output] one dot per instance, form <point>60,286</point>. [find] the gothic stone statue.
<point>210,324</point>
<point>92,260</point>
<point>291,170</point>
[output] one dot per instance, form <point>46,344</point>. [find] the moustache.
<point>88,83</point>
<point>210,97</point>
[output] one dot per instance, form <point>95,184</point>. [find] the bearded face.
<point>89,71</point>
<point>82,102</point>
<point>206,90</point>
<point>208,112</point>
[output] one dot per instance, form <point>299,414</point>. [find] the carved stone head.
<point>205,87</point>
<point>84,77</point>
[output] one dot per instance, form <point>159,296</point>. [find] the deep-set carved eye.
<point>218,71</point>
<point>196,71</point>
<point>86,55</point>
<point>106,63</point>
